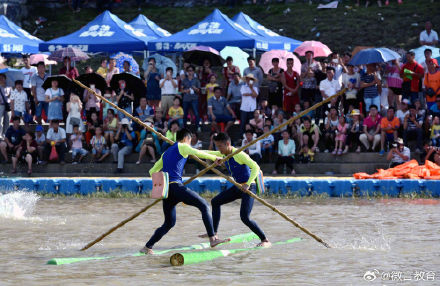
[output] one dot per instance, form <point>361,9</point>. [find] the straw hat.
<point>399,141</point>
<point>251,76</point>
<point>355,112</point>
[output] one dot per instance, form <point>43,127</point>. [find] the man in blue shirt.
<point>220,111</point>
<point>124,146</point>
<point>14,136</point>
<point>435,108</point>
<point>191,90</point>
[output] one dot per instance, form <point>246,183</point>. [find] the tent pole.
<point>50,70</point>
<point>148,54</point>
<point>145,54</point>
<point>254,52</point>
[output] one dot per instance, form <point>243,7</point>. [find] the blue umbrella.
<point>162,63</point>
<point>121,58</point>
<point>12,75</point>
<point>374,55</point>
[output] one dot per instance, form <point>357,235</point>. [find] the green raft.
<point>179,259</point>
<point>234,239</point>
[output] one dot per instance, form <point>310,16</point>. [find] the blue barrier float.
<point>337,187</point>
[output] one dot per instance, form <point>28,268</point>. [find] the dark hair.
<point>86,67</point>
<point>55,121</point>
<point>411,53</point>
<point>229,58</point>
<point>108,89</point>
<point>19,81</point>
<point>182,134</point>
<point>373,106</point>
<point>112,111</point>
<point>390,108</point>
<point>129,63</point>
<point>66,57</point>
<point>169,69</point>
<point>3,75</point>
<point>104,59</point>
<point>31,134</point>
<point>307,118</point>
<point>41,64</point>
<point>25,56</point>
<point>217,88</point>
<point>251,58</point>
<point>330,69</point>
<point>311,52</point>
<point>190,67</point>
<point>237,73</point>
<point>249,131</point>
<point>222,137</point>
<point>289,60</point>
<point>427,50</point>
<point>151,59</point>
<point>276,60</point>
<point>174,122</point>
<point>75,126</point>
<point>176,97</point>
<point>15,118</point>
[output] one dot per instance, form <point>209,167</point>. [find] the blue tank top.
<point>240,173</point>
<point>173,163</point>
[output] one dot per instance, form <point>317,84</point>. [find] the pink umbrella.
<point>73,53</point>
<point>35,59</point>
<point>266,60</point>
<point>318,48</point>
<point>197,55</point>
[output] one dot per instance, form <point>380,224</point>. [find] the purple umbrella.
<point>198,54</point>
<point>73,53</point>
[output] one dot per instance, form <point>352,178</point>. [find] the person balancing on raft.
<point>173,161</point>
<point>244,170</point>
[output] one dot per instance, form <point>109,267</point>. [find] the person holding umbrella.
<point>55,99</point>
<point>152,78</point>
<point>68,70</point>
<point>124,98</point>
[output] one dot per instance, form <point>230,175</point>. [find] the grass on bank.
<point>341,29</point>
<point>314,196</point>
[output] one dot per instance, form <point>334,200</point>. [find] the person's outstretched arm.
<point>157,166</point>
<point>186,150</point>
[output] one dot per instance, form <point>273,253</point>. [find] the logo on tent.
<point>6,34</point>
<point>98,31</point>
<point>249,32</point>
<point>136,32</point>
<point>53,48</point>
<point>6,48</point>
<point>267,31</point>
<point>262,45</point>
<point>207,28</point>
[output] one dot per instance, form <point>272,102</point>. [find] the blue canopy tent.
<point>248,23</point>
<point>15,40</point>
<point>216,31</point>
<point>106,33</point>
<point>148,27</point>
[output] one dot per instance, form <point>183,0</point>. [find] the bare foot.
<point>147,250</point>
<point>214,241</point>
<point>264,243</point>
<point>205,235</point>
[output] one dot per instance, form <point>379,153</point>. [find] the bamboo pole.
<point>208,167</point>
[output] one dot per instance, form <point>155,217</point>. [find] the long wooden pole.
<point>137,120</point>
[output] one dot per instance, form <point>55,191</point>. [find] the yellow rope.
<point>208,167</point>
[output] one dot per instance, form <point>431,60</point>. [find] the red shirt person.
<point>68,70</point>
<point>228,72</point>
<point>411,73</point>
<point>291,83</point>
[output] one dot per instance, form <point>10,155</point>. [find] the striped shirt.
<point>370,91</point>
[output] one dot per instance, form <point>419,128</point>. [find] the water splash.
<point>376,239</point>
<point>17,205</point>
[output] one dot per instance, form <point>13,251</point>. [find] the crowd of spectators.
<point>381,104</point>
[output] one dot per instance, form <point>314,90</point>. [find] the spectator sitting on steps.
<point>399,154</point>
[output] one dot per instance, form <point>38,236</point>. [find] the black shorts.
<point>396,90</point>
